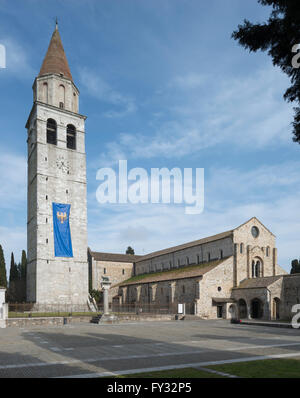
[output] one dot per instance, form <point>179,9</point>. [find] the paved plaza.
<point>92,350</point>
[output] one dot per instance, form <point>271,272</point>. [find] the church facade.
<point>231,274</point>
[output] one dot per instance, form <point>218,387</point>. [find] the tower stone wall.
<point>56,174</point>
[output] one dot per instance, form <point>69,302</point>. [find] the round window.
<point>219,288</point>
<point>255,232</point>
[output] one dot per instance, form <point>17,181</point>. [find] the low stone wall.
<point>145,317</point>
<point>50,321</point>
<point>45,321</point>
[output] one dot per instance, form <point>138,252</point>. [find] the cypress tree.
<point>23,270</point>
<point>23,273</point>
<point>13,272</point>
<point>3,277</point>
<point>295,267</point>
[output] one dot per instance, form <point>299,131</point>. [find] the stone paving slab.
<point>69,350</point>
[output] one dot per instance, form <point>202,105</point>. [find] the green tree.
<point>14,277</point>
<point>278,36</point>
<point>3,276</point>
<point>129,250</point>
<point>13,272</point>
<point>295,266</point>
<point>23,270</point>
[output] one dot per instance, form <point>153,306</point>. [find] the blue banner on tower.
<point>61,230</point>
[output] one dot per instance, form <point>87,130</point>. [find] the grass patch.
<point>269,368</point>
<point>173,373</point>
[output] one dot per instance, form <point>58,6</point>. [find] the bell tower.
<point>56,177</point>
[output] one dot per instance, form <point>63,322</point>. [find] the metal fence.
<point>144,308</point>
<point>68,309</point>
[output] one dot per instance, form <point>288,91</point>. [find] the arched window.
<point>51,132</point>
<point>187,261</point>
<point>61,96</point>
<point>71,136</point>
<point>242,248</point>
<point>253,269</point>
<point>257,269</point>
<point>74,103</point>
<point>268,251</point>
<point>45,93</point>
<point>221,253</point>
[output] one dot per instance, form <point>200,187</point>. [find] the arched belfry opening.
<point>71,136</point>
<point>51,132</point>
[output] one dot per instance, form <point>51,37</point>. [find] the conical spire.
<point>55,60</point>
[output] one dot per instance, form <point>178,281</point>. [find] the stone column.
<point>249,271</point>
<point>172,287</point>
<point>105,300</point>
<point>235,265</point>
<point>153,293</point>
<point>138,293</point>
<point>105,284</point>
<point>124,295</point>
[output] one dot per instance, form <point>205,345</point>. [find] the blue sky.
<point>163,85</point>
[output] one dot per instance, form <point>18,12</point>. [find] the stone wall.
<point>56,174</point>
<point>191,255</point>
<point>116,272</point>
<point>290,295</point>
<point>216,283</point>
<point>249,249</point>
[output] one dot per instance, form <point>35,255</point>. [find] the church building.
<point>232,274</point>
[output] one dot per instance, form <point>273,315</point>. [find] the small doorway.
<point>256,309</point>
<point>242,309</point>
<point>219,311</point>
<point>276,308</point>
<point>232,311</point>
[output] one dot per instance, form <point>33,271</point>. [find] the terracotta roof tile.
<point>179,273</point>
<point>258,282</point>
<point>55,60</point>
<point>125,258</point>
<point>186,245</point>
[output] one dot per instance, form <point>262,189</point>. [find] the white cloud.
<point>13,179</point>
<point>248,113</point>
<point>233,197</point>
<point>13,240</point>
<point>17,59</point>
<point>98,88</point>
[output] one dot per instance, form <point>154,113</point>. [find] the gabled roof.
<point>179,273</point>
<point>55,60</point>
<point>119,258</point>
<point>258,282</point>
<point>254,218</point>
<point>186,245</point>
